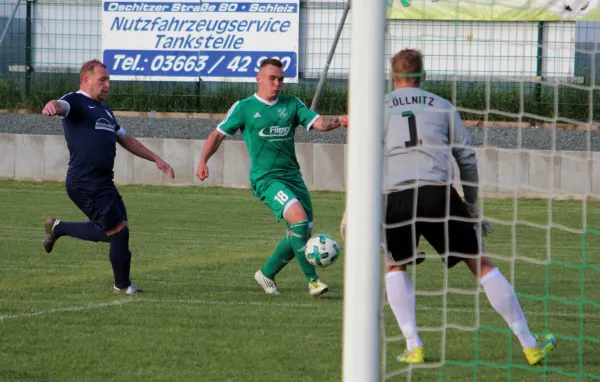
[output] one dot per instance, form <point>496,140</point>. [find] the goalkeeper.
<point>267,121</point>
<point>422,134</point>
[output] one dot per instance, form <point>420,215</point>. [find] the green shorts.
<point>279,195</point>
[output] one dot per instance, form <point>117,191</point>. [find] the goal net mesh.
<point>522,76</point>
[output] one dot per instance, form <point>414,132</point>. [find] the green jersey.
<point>268,129</point>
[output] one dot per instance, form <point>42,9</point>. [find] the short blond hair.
<point>408,63</point>
<point>89,66</point>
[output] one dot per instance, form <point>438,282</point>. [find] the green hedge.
<point>209,97</point>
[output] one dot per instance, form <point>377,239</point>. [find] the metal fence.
<point>513,62</point>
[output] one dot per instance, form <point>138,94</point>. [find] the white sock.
<point>503,299</point>
<point>401,297</point>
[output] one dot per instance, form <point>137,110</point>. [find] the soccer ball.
<point>322,250</point>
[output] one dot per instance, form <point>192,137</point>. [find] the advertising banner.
<point>209,40</point>
<point>495,10</point>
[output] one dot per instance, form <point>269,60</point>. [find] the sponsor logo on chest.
<point>107,124</point>
<point>104,124</point>
<point>274,131</point>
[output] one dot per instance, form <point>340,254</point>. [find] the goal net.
<point>522,76</point>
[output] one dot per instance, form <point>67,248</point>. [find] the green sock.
<point>298,242</point>
<point>283,254</point>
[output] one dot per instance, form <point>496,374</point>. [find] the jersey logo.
<point>257,115</point>
<point>104,124</point>
<point>92,107</point>
<point>283,113</point>
<point>274,132</point>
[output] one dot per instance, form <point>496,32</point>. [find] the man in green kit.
<point>267,121</point>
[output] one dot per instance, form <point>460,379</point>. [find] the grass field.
<point>204,319</point>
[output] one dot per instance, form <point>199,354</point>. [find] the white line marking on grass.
<point>274,303</point>
<point>277,303</point>
<point>69,309</point>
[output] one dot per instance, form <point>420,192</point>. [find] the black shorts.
<point>430,203</point>
<point>103,205</point>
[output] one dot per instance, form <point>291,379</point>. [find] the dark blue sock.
<point>84,231</point>
<point>120,258</point>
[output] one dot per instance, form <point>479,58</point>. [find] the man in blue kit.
<point>92,131</point>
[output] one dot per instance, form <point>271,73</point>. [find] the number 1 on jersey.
<point>412,129</point>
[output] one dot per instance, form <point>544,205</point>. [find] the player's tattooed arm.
<point>326,123</point>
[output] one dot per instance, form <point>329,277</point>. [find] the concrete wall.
<point>502,171</point>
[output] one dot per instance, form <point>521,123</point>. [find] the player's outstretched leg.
<point>265,276</point>
<point>402,300</point>
<point>54,229</point>
<point>503,299</point>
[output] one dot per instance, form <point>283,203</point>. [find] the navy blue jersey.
<point>91,131</point>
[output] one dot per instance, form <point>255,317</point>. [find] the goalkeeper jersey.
<point>423,133</point>
<point>268,129</point>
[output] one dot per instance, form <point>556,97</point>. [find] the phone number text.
<point>194,64</point>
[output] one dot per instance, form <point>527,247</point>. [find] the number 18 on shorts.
<point>281,197</point>
<point>278,197</point>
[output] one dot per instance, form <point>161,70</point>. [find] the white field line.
<point>273,304</point>
<point>283,304</point>
<point>68,309</point>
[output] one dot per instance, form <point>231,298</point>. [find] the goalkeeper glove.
<point>473,210</point>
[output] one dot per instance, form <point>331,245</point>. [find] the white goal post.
<point>362,256</point>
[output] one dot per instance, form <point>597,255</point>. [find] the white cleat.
<point>317,288</point>
<point>132,289</point>
<point>266,283</point>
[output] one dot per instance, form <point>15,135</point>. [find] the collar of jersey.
<point>265,101</point>
<point>84,93</point>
